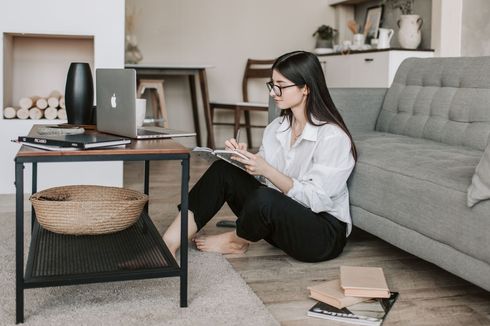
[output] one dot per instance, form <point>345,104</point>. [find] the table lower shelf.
<point>135,253</point>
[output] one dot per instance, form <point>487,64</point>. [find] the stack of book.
<point>72,142</point>
<point>361,296</point>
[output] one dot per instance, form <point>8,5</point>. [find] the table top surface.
<point>136,147</point>
<point>167,66</point>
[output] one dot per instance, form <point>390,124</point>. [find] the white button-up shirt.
<point>319,162</point>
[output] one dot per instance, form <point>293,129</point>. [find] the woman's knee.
<point>224,168</point>
<point>218,165</point>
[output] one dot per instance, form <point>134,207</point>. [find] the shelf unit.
<point>345,2</point>
<point>366,69</point>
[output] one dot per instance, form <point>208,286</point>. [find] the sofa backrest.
<point>441,99</point>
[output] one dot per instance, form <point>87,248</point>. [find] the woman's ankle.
<point>172,245</point>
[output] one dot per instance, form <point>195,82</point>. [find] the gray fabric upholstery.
<point>421,185</point>
<point>359,116</point>
<point>441,99</point>
<point>468,267</point>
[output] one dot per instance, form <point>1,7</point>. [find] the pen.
<point>237,138</point>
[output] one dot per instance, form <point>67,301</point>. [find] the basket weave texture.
<point>87,209</point>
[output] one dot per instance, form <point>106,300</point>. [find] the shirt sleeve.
<point>326,180</point>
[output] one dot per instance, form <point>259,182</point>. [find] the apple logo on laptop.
<point>113,101</point>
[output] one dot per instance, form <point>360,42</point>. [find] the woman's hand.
<point>255,164</point>
<point>232,144</point>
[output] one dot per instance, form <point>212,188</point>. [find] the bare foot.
<point>225,243</point>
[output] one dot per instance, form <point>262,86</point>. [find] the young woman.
<point>307,154</point>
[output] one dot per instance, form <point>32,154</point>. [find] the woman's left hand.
<point>255,164</point>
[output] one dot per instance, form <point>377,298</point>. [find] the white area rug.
<point>217,296</point>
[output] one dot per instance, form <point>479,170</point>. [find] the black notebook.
<point>371,312</point>
<point>81,141</point>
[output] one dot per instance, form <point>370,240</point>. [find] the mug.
<point>358,40</point>
<point>140,111</point>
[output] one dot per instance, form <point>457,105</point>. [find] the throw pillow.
<point>480,184</point>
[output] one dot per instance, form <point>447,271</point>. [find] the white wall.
<point>224,34</point>
<point>475,38</point>
<point>446,27</point>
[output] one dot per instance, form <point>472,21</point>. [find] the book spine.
<point>50,142</point>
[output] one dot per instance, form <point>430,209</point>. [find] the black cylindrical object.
<point>79,94</point>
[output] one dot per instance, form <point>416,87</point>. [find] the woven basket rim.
<point>64,215</point>
<point>137,195</point>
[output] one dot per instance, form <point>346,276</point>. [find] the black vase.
<point>79,94</point>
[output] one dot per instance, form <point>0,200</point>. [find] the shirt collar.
<point>310,132</point>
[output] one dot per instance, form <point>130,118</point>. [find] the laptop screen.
<point>116,101</point>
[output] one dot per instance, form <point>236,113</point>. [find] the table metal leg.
<point>146,189</point>
<point>195,114</point>
<point>184,197</point>
<point>19,242</point>
<point>34,190</point>
<point>146,186</point>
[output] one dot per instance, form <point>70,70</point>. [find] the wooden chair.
<point>255,69</point>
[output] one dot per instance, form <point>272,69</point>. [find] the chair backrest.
<point>255,69</point>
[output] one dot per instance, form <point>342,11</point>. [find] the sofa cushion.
<point>441,99</point>
<point>421,185</point>
<point>480,183</point>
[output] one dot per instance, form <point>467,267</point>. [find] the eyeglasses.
<point>276,88</point>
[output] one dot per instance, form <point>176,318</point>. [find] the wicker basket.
<point>82,210</point>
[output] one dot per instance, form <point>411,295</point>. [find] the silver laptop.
<point>116,107</point>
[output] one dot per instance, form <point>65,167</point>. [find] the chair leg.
<point>211,113</point>
<point>247,125</point>
<point>141,90</point>
<point>154,106</point>
<point>161,100</point>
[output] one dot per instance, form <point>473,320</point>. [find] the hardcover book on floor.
<point>371,312</point>
<point>367,282</point>
<point>331,293</point>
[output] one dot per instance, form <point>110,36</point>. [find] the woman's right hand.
<point>232,144</point>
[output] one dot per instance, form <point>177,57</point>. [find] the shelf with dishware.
<point>373,68</point>
<point>345,2</point>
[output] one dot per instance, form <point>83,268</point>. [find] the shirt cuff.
<point>296,190</point>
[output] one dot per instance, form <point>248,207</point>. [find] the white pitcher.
<point>409,34</point>
<point>385,35</point>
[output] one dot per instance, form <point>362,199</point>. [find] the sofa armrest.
<point>359,107</point>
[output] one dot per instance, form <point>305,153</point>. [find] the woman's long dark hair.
<point>303,68</point>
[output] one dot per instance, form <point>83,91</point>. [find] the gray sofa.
<point>419,143</point>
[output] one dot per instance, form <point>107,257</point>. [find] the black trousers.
<point>265,213</point>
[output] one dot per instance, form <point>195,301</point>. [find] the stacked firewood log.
<point>38,107</point>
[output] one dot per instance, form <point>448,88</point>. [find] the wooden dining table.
<point>191,71</point>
